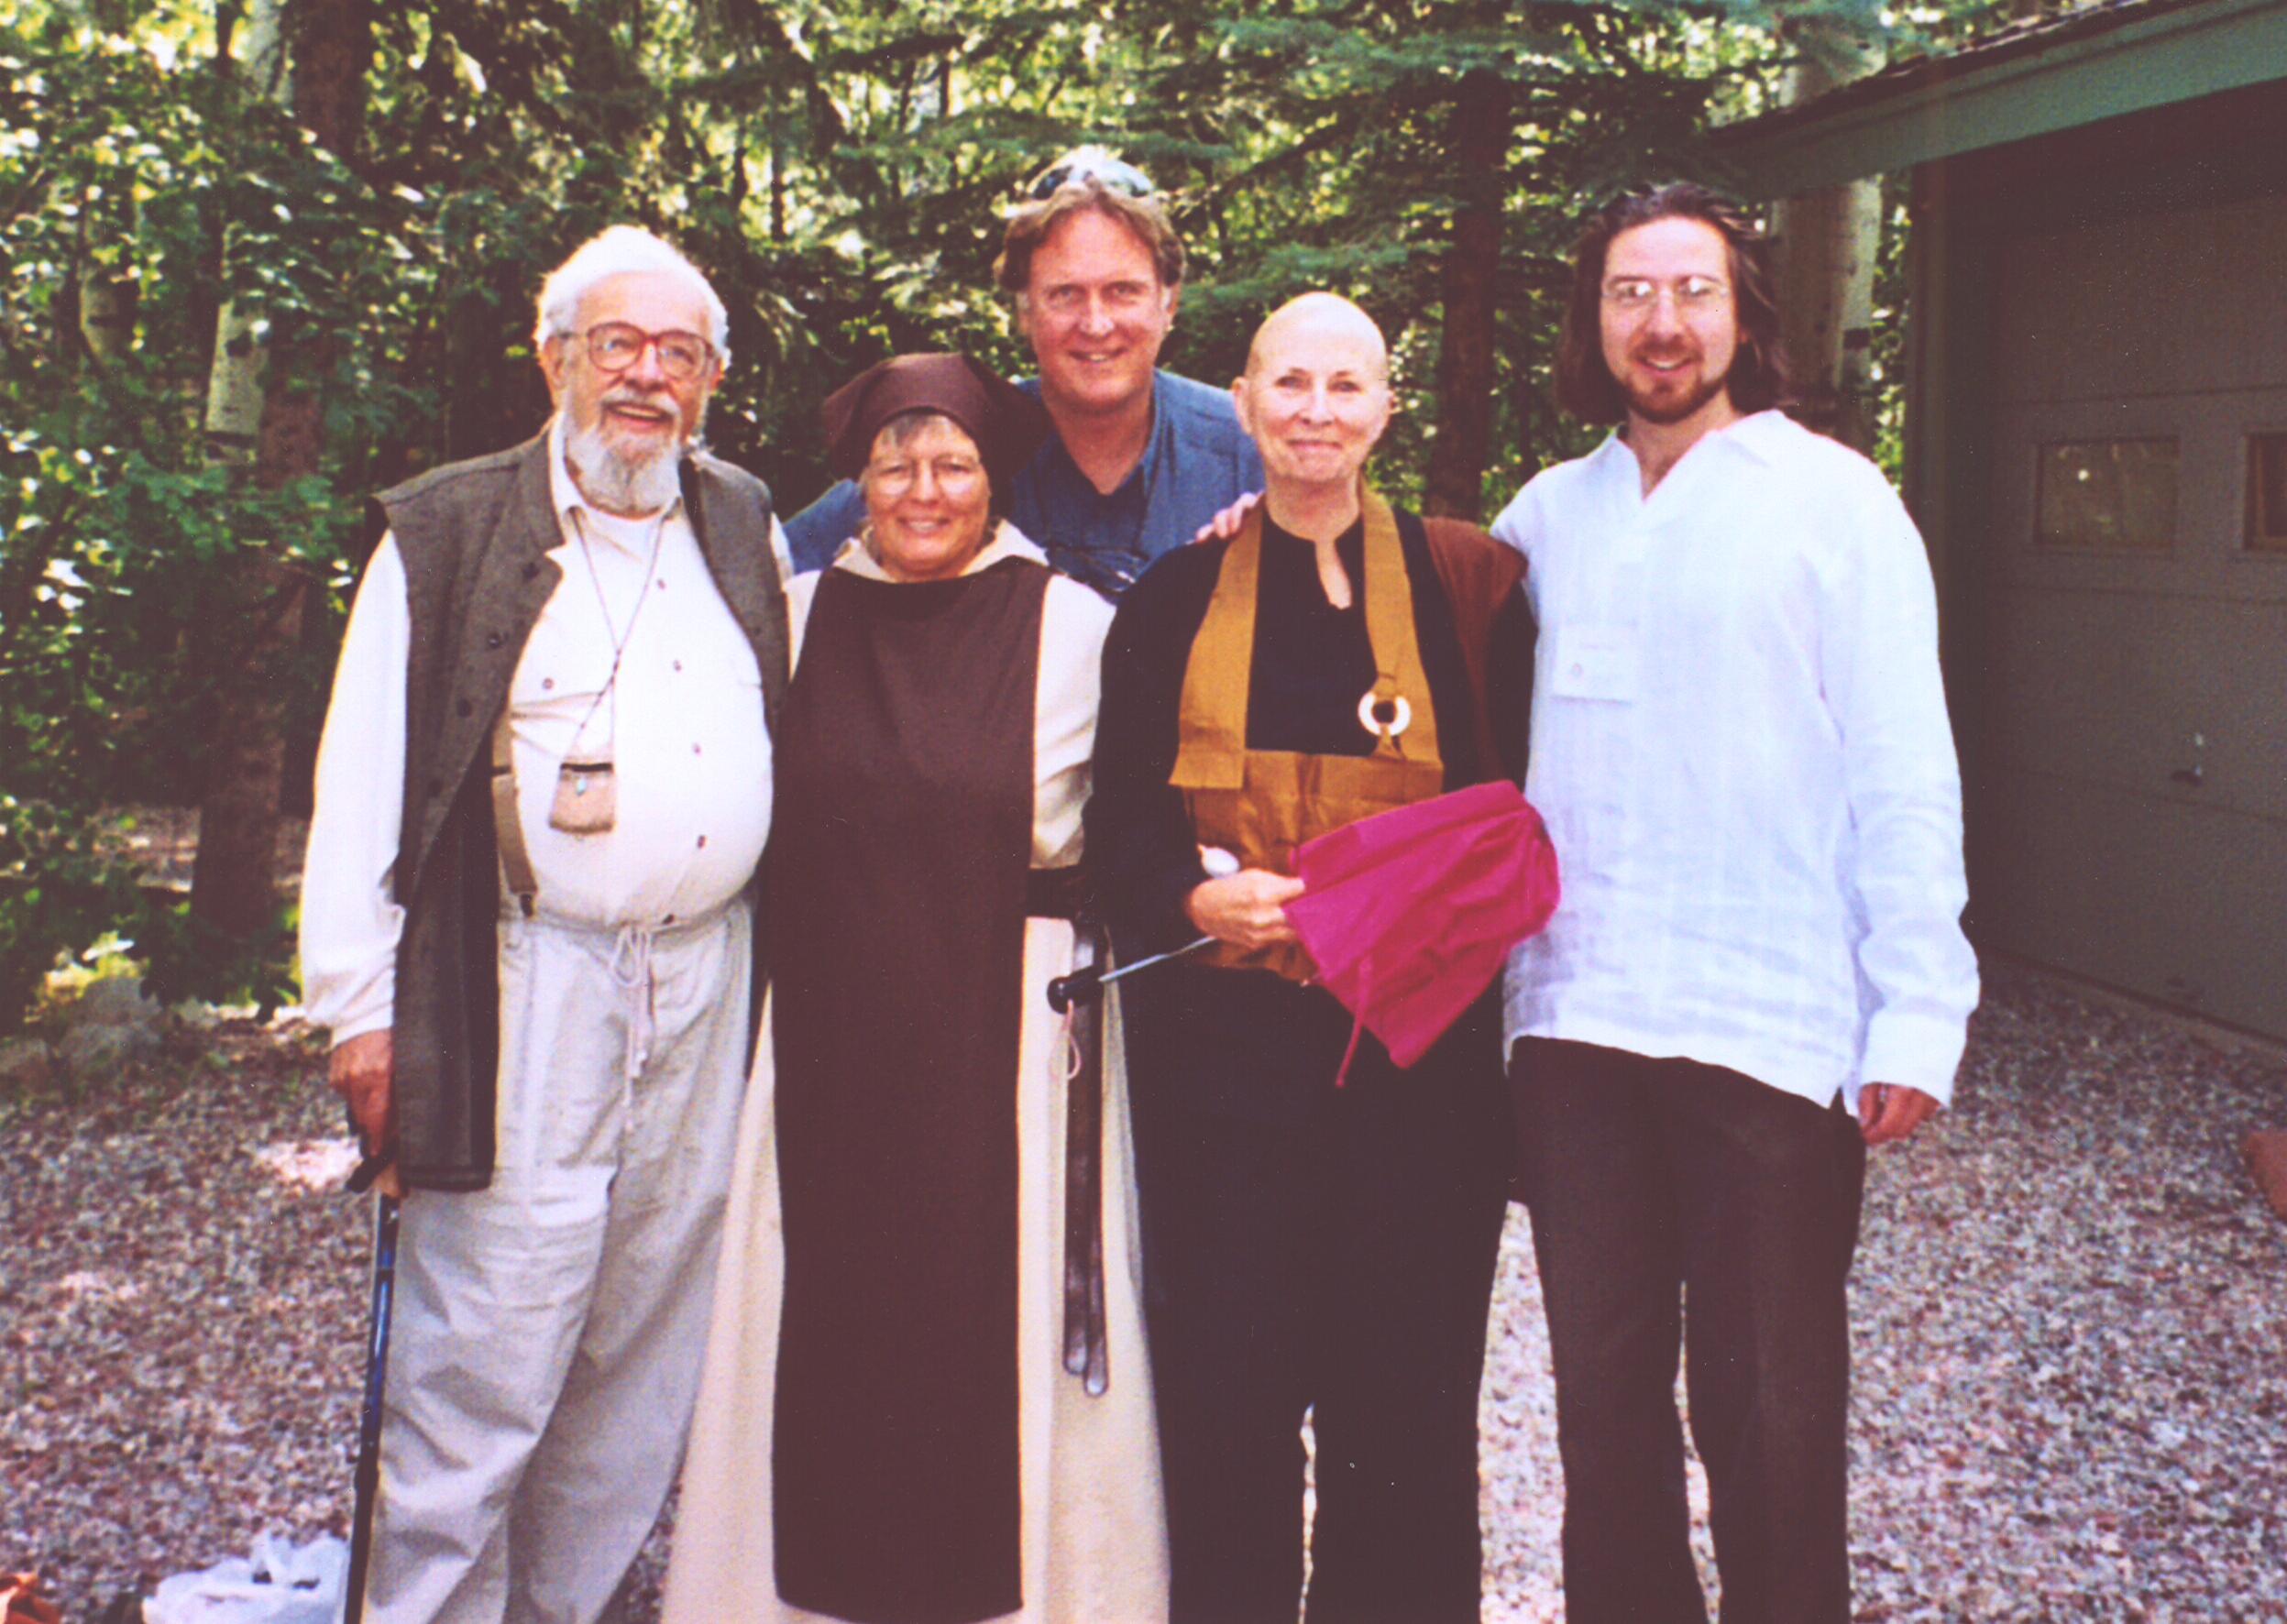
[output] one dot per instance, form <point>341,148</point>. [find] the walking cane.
<point>368,1478</point>
<point>1088,982</point>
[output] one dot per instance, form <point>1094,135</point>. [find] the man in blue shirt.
<point>1140,458</point>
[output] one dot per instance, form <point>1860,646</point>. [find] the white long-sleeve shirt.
<point>685,734</point>
<point>1741,745</point>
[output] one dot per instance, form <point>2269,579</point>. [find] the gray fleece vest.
<point>475,538</point>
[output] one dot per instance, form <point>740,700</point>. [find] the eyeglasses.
<point>956,477</point>
<point>1694,294</point>
<point>1089,163</point>
<point>614,346</point>
<point>1120,301</point>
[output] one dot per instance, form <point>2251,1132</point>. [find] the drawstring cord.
<point>1072,1063</point>
<point>631,971</point>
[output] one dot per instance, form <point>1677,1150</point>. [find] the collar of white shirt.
<point>1008,542</point>
<point>1760,435</point>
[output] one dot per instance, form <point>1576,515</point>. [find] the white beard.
<point>620,485</point>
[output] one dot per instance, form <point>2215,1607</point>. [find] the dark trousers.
<point>1310,1249</point>
<point>1652,1182</point>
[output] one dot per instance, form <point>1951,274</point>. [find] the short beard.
<point>1664,412</point>
<point>619,484</point>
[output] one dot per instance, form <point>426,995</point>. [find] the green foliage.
<point>59,889</point>
<point>841,172</point>
<point>121,162</point>
<point>187,957</point>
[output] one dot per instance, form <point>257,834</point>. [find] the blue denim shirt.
<point>1197,462</point>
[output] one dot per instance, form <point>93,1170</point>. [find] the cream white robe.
<point>1094,1535</point>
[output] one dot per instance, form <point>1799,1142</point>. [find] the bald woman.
<point>1308,1249</point>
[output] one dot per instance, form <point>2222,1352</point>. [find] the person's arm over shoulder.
<point>1483,581</point>
<point>350,920</point>
<point>1511,648</point>
<point>1140,839</point>
<point>1878,668</point>
<point>816,533</point>
<point>1512,644</point>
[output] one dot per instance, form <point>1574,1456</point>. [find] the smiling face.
<point>1096,313</point>
<point>1671,355</point>
<point>928,499</point>
<point>1315,397</point>
<point>625,429</point>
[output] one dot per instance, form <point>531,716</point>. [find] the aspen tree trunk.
<point>266,414</point>
<point>1827,243</point>
<point>99,300</point>
<point>106,303</point>
<point>1457,458</point>
<point>234,383</point>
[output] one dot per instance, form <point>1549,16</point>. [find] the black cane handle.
<point>362,1175</point>
<point>1084,986</point>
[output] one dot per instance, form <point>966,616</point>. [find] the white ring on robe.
<point>1365,715</point>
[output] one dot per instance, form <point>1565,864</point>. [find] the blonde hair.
<point>1028,227</point>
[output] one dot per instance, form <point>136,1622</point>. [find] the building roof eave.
<point>2101,62</point>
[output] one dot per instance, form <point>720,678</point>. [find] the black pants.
<point>1651,1181</point>
<point>1310,1249</point>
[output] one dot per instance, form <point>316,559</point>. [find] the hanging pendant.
<point>1384,717</point>
<point>585,801</point>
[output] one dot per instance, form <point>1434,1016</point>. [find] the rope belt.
<point>630,969</point>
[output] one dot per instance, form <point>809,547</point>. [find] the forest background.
<point>261,258</point>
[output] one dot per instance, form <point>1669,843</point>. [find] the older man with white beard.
<point>543,789</point>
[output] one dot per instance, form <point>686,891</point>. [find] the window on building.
<point>2266,493</point>
<point>2109,494</point>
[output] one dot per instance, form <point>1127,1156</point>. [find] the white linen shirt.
<point>691,753</point>
<point>1740,746</point>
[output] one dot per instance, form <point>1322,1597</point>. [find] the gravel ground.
<point>2071,1333</point>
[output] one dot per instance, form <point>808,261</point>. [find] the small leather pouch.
<point>586,798</point>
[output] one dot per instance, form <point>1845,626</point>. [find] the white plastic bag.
<point>279,1582</point>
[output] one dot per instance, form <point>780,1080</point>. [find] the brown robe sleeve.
<point>1477,572</point>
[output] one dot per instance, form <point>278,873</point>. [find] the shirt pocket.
<point>1594,662</point>
<point>714,696</point>
<point>561,674</point>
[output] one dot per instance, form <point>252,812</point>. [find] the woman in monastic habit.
<point>1308,1248</point>
<point>889,1429</point>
